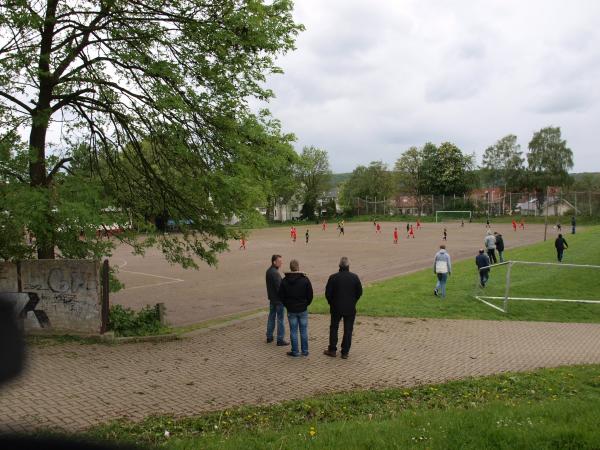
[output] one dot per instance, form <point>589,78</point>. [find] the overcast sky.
<point>371,78</point>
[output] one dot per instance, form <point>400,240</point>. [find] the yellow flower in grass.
<point>312,432</point>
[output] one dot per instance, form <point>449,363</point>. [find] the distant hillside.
<point>338,178</point>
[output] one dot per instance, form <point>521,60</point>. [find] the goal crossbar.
<point>507,297</point>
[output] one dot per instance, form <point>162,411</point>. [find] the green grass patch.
<point>550,408</point>
<point>412,295</point>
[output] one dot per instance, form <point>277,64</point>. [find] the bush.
<point>126,322</point>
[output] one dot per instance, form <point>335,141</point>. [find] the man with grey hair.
<point>342,292</point>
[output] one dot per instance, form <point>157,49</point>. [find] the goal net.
<point>528,281</point>
<point>447,216</point>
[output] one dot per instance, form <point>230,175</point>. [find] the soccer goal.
<point>446,216</point>
<point>539,282</point>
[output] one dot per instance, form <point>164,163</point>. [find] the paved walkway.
<point>75,386</point>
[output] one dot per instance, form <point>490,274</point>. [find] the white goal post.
<point>456,215</point>
<point>505,299</point>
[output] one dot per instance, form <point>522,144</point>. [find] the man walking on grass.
<point>296,293</point>
<point>560,244</point>
<point>490,246</point>
<point>442,268</point>
<point>276,308</point>
<point>342,293</point>
<point>482,260</point>
<point>499,246</point>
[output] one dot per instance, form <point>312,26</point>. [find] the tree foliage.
<point>445,170</point>
<point>503,163</point>
<point>372,181</point>
<point>549,158</point>
<point>313,175</point>
<point>152,97</point>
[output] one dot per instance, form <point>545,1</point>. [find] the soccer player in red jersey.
<point>396,235</point>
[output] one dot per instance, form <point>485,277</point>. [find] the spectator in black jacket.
<point>500,246</point>
<point>342,292</point>
<point>296,293</point>
<point>483,260</point>
<point>561,244</point>
<point>276,308</point>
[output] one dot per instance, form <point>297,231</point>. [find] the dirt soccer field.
<point>238,283</point>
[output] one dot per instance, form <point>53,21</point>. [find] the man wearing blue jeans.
<point>442,268</point>
<point>276,308</point>
<point>296,293</point>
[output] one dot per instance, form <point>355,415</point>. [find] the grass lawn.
<point>550,408</point>
<point>412,295</point>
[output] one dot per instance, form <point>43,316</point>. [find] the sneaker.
<point>293,354</point>
<point>435,292</point>
<point>344,355</point>
<point>269,340</point>
<point>305,354</point>
<point>330,353</point>
<point>282,343</point>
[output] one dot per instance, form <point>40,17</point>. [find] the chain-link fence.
<point>484,203</point>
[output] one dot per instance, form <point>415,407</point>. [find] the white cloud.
<point>370,79</point>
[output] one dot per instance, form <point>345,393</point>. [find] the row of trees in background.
<point>446,170</point>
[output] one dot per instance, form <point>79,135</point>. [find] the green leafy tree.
<point>549,160</point>
<point>503,163</point>
<point>408,171</point>
<point>372,181</point>
<point>314,176</point>
<point>446,170</point>
<point>157,91</point>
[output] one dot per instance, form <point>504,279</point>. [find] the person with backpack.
<point>296,293</point>
<point>442,268</point>
<point>560,244</point>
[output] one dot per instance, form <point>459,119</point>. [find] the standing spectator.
<point>499,246</point>
<point>276,308</point>
<point>307,235</point>
<point>573,224</point>
<point>490,246</point>
<point>342,292</point>
<point>482,260</point>
<point>296,293</point>
<point>561,244</point>
<point>442,268</point>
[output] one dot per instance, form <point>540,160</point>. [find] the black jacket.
<point>296,292</point>
<point>273,282</point>
<point>482,260</point>
<point>499,243</point>
<point>342,292</point>
<point>560,243</point>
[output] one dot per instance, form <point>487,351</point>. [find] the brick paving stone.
<point>74,386</point>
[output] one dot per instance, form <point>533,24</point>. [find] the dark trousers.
<point>333,332</point>
<point>484,276</point>
<point>492,254</point>
<point>559,254</point>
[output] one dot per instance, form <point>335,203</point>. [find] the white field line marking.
<point>171,279</point>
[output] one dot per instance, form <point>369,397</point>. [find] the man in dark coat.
<point>560,244</point>
<point>342,292</point>
<point>483,260</point>
<point>296,293</point>
<point>500,246</point>
<point>276,308</point>
<point>573,224</point>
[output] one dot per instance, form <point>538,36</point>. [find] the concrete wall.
<point>69,292</point>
